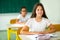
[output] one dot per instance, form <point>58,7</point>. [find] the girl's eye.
<point>37,9</point>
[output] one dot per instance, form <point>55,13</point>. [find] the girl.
<point>37,23</point>
<point>22,17</point>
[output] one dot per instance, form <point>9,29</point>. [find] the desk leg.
<point>8,34</point>
<point>17,37</point>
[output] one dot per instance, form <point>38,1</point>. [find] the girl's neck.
<point>38,19</point>
<point>22,15</point>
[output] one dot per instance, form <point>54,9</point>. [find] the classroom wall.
<point>52,8</point>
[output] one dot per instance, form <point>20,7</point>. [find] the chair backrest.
<point>12,21</point>
<point>57,27</point>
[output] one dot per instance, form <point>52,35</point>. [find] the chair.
<point>57,27</point>
<point>10,30</point>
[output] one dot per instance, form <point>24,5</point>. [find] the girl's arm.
<point>52,29</point>
<point>17,20</point>
<point>25,30</point>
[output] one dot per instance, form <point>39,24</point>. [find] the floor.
<point>3,35</point>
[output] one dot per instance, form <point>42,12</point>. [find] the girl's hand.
<point>38,33</point>
<point>45,32</point>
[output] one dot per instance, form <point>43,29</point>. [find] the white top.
<point>37,26</point>
<point>22,19</point>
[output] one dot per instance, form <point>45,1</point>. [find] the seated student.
<point>37,23</point>
<point>22,17</point>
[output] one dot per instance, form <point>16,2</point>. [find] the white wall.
<point>5,18</point>
<point>52,8</point>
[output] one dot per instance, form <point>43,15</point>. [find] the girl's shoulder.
<point>45,19</point>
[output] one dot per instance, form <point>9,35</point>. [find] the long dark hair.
<point>34,11</point>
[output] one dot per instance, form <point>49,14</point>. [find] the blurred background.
<point>9,9</point>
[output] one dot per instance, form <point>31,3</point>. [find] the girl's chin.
<point>39,16</point>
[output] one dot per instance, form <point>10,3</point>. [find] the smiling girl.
<point>38,23</point>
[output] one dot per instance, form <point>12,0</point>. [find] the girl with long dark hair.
<point>38,23</point>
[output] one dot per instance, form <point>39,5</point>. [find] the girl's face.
<point>39,11</point>
<point>23,12</point>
